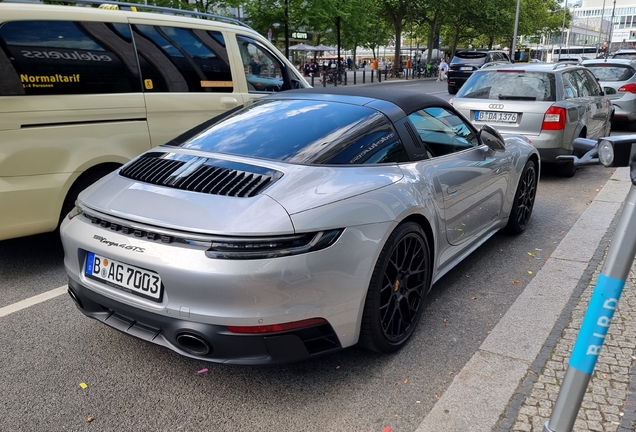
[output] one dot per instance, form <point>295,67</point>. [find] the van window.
<point>66,57</point>
<point>175,59</point>
<point>263,71</point>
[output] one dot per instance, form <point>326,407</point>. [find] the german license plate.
<point>123,276</point>
<point>497,117</point>
<point>466,68</point>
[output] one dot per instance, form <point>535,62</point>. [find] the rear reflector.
<point>554,119</point>
<point>273,328</point>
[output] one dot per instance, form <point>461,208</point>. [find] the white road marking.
<point>15,307</point>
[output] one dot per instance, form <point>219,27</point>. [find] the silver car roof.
<point>532,67</point>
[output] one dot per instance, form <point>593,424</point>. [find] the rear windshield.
<point>510,84</point>
<point>611,72</point>
<point>627,55</point>
<point>306,132</point>
<point>470,58</point>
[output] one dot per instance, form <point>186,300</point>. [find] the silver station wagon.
<point>550,104</point>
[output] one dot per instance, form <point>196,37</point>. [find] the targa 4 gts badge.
<point>115,244</point>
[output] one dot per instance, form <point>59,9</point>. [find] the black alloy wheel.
<point>400,281</point>
<point>524,199</point>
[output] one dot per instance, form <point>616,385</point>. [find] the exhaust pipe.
<point>193,344</point>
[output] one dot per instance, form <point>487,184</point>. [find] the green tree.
<point>397,13</point>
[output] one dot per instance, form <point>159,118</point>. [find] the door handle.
<point>229,102</point>
<point>452,190</point>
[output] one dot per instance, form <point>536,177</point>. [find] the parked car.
<point>628,54</point>
<point>84,90</point>
<point>618,79</point>
<point>300,224</point>
<point>551,103</point>
<point>571,58</point>
<point>464,63</point>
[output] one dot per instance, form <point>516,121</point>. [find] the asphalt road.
<point>50,348</point>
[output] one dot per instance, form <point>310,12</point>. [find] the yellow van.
<point>83,90</point>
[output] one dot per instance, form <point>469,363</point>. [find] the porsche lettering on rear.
<point>120,245</point>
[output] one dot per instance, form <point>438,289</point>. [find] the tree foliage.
<point>375,23</point>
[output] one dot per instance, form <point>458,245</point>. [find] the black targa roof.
<point>406,99</point>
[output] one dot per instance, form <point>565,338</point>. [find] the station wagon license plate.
<point>497,117</point>
<point>123,276</point>
<point>465,68</point>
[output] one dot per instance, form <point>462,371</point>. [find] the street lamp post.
<point>569,41</point>
<point>513,47</point>
<point>287,29</point>
<point>565,8</point>
<point>600,30</point>
<point>611,32</point>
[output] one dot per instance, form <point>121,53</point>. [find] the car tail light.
<point>271,247</point>
<point>554,118</point>
<point>273,328</point>
<point>628,88</point>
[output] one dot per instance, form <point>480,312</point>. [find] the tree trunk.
<point>398,47</point>
<point>455,41</point>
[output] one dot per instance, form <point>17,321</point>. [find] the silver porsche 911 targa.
<point>297,225</point>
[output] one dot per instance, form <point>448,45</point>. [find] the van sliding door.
<point>186,76</point>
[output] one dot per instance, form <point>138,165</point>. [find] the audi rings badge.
<point>496,106</point>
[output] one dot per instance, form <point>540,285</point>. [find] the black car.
<point>466,62</point>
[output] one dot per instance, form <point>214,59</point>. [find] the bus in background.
<point>573,52</point>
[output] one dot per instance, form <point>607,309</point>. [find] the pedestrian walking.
<point>443,66</point>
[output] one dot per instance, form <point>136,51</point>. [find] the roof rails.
<point>140,6</point>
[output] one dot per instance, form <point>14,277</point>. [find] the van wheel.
<point>400,281</point>
<point>84,181</point>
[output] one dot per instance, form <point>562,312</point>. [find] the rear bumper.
<point>550,145</point>
<point>203,341</point>
<point>455,79</point>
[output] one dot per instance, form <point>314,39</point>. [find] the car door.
<point>600,108</point>
<point>472,178</point>
<point>577,101</point>
<point>587,103</point>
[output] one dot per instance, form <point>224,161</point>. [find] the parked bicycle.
<point>335,75</point>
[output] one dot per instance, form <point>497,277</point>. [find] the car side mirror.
<point>492,138</point>
<point>609,91</point>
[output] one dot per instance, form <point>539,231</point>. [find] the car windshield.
<point>470,58</point>
<point>510,84</point>
<point>306,132</point>
<point>611,72</point>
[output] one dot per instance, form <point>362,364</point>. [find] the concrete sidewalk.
<point>512,381</point>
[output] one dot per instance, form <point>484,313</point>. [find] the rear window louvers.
<point>206,178</point>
